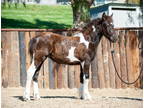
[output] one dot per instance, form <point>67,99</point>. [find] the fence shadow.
<point>13,23</point>
<point>124,98</point>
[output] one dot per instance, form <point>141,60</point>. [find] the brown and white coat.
<point>77,49</point>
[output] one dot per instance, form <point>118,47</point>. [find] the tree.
<point>81,13</point>
<point>133,1</point>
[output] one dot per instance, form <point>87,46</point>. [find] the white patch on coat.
<point>71,55</point>
<point>82,39</point>
<point>94,29</point>
<point>30,74</point>
<point>82,64</point>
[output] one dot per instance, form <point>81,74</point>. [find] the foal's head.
<point>108,28</point>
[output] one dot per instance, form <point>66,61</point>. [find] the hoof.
<point>36,97</point>
<point>25,99</point>
<point>86,97</point>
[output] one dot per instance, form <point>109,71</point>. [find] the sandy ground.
<point>68,98</point>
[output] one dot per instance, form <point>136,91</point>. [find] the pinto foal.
<point>78,49</point>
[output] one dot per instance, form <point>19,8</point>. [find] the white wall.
<point>127,18</point>
<point>48,2</point>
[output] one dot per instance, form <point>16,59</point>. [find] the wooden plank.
<point>90,77</point>
<point>140,37</point>
<point>5,58</point>
<point>41,77</point>
<point>135,55</point>
<point>111,66</point>
<point>105,62</point>
<point>129,60</point>
<point>65,76</point>
<point>28,59</point>
<point>77,76</point>
<point>94,70</point>
<point>100,66</point>
<point>55,73</point>
<point>14,71</point>
<point>22,52</point>
<point>117,64</point>
<point>17,59</point>
<point>59,76</point>
<point>32,34</point>
<point>46,74</point>
<point>10,81</point>
<point>123,64</point>
<point>51,75</point>
<point>71,71</point>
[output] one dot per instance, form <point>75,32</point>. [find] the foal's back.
<point>62,49</point>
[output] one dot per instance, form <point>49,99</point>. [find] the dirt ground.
<point>68,98</point>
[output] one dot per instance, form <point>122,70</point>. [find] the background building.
<point>124,15</point>
<point>66,2</point>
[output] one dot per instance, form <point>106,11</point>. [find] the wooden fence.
<point>128,59</point>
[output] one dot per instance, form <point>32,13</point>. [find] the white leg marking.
<point>86,94</point>
<point>82,39</point>
<point>71,56</point>
<point>81,90</point>
<point>36,90</point>
<point>30,74</point>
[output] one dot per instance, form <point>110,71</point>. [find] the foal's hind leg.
<point>35,83</point>
<point>30,74</point>
<point>37,61</point>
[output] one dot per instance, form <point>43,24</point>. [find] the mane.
<point>97,21</point>
<point>88,29</point>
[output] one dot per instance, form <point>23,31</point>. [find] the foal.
<point>78,49</point>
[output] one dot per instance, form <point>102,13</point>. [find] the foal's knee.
<point>86,75</point>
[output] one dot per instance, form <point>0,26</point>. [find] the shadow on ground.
<point>124,98</point>
<point>13,23</point>
<point>48,97</point>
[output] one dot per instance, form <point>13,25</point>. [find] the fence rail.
<point>57,30</point>
<point>128,58</point>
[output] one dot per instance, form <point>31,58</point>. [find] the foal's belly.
<point>65,61</point>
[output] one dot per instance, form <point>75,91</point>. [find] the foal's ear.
<point>104,16</point>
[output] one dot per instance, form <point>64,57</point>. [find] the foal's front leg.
<point>85,80</point>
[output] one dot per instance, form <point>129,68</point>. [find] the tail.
<point>32,47</point>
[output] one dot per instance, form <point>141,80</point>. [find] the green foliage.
<point>37,16</point>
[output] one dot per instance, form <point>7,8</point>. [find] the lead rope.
<point>128,83</point>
